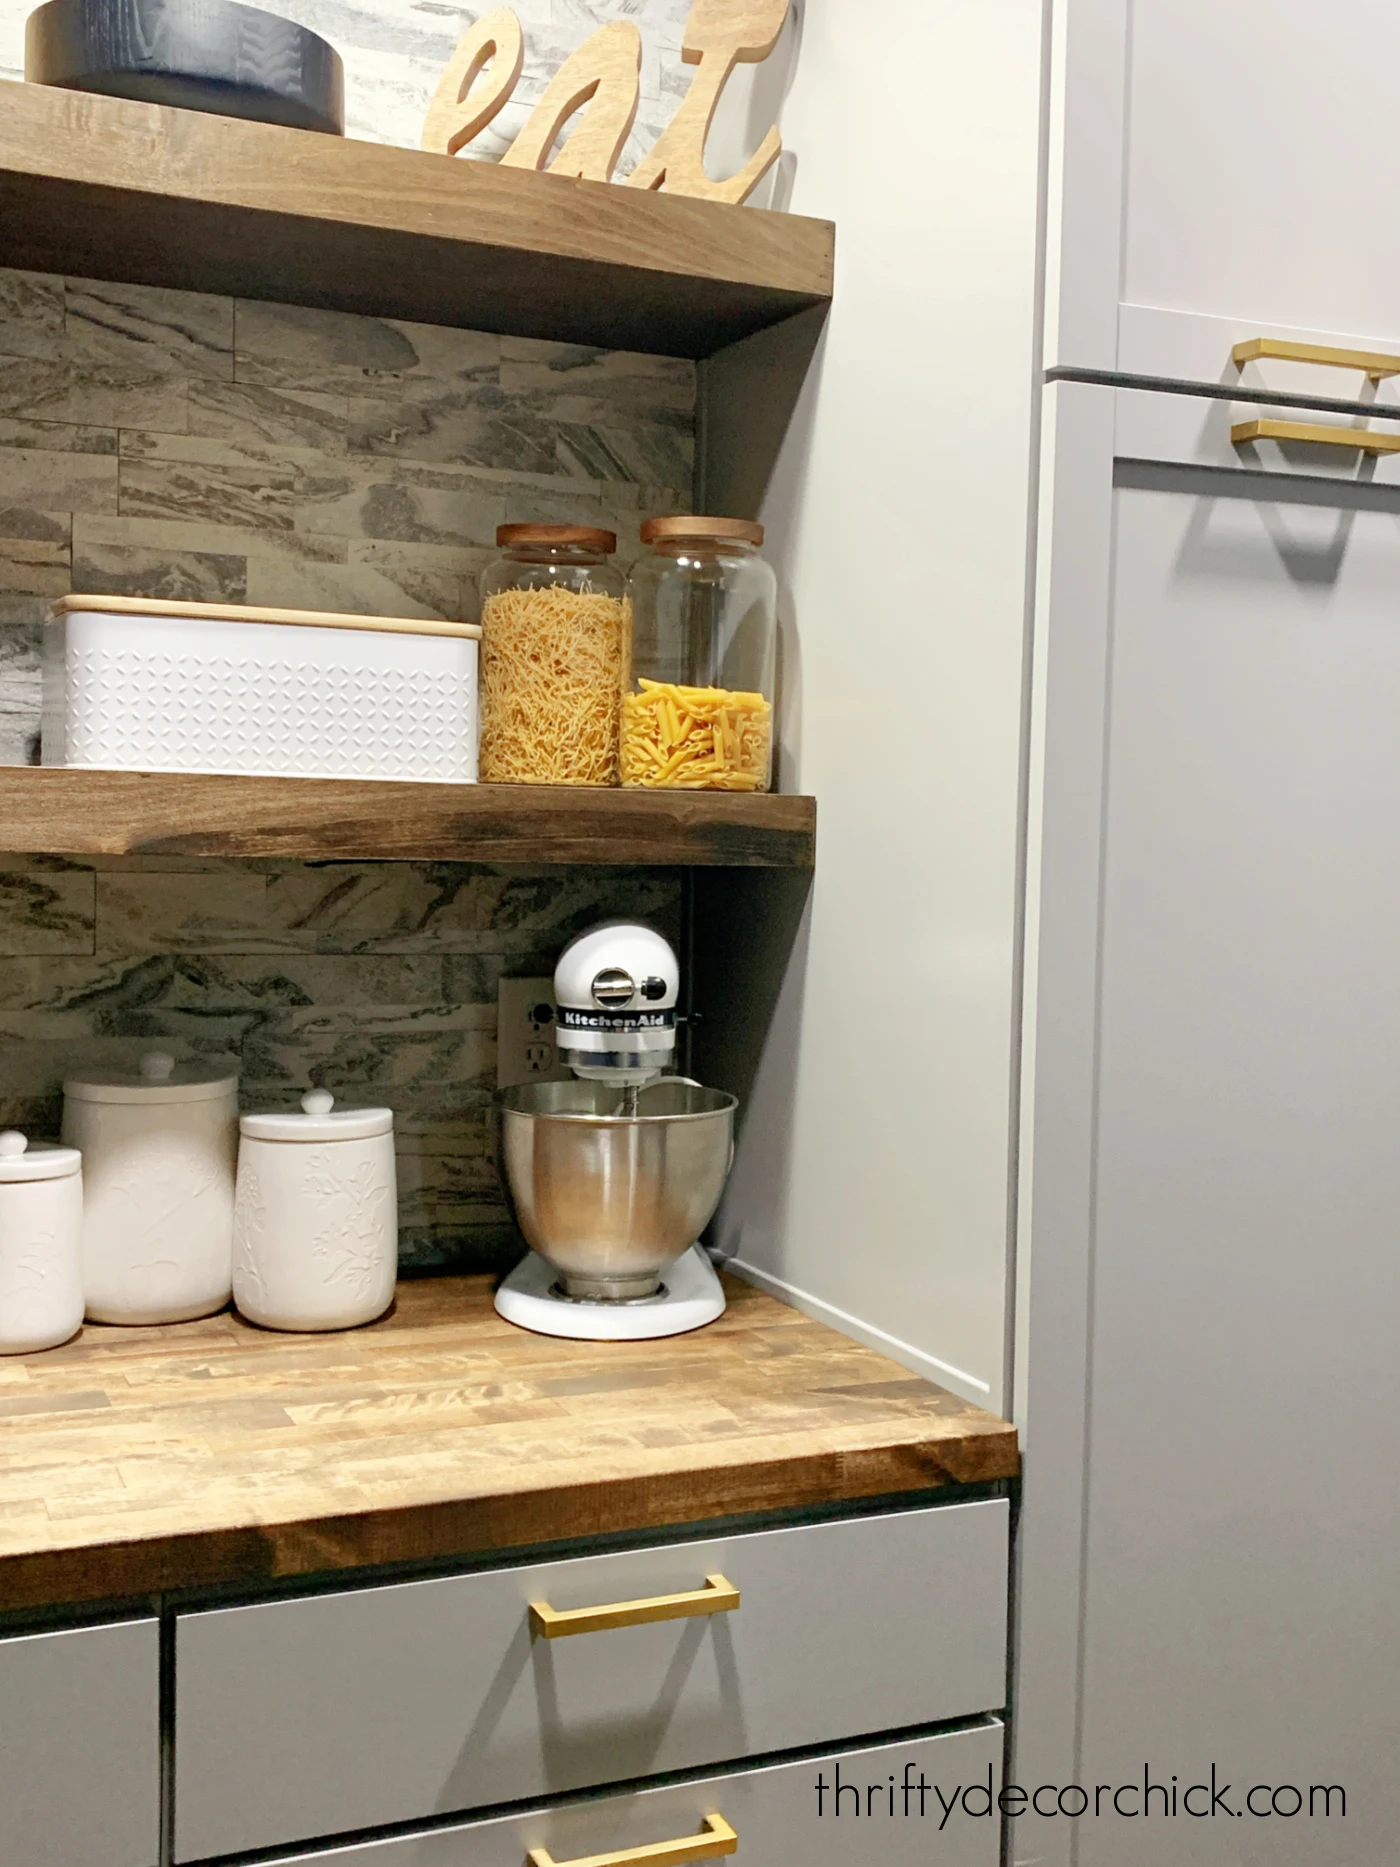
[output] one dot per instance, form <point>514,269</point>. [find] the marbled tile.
<point>399,908</point>
<point>268,417</point>
<point>580,383</point>
<point>219,910</point>
<point>90,533</point>
<point>21,684</point>
<point>647,452</point>
<point>482,426</point>
<point>175,576</point>
<point>259,498</point>
<point>300,347</point>
<point>403,589</point>
<point>113,396</point>
<point>148,330</point>
<point>31,313</point>
<point>47,911</point>
<point>278,490</point>
<point>33,524</point>
<point>104,992</point>
<point>399,500</point>
<point>61,436</point>
<point>58,482</point>
<point>33,566</point>
<point>411,566</point>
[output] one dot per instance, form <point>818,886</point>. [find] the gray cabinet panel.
<point>1243,1517</point>
<point>336,1712</point>
<point>777,1814</point>
<point>80,1747</point>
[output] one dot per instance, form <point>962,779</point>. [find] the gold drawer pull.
<point>714,1839</point>
<point>1359,440</point>
<point>717,1597</point>
<point>1375,363</point>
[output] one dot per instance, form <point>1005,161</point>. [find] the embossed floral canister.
<point>316,1230</point>
<point>159,1147</point>
<point>41,1210</point>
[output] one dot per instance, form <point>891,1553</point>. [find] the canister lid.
<point>158,1078</point>
<point>584,537</point>
<point>20,1161</point>
<point>741,531</point>
<point>320,1120</point>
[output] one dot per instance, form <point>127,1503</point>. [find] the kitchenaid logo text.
<point>912,1797</point>
<point>571,1019</point>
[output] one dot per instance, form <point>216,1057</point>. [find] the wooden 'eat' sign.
<point>601,81</point>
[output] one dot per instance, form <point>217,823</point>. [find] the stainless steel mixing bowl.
<point>611,1199</point>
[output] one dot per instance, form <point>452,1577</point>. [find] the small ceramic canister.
<point>316,1228</point>
<point>41,1211</point>
<point>159,1149</point>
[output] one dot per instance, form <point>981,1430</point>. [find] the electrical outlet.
<point>525,1031</point>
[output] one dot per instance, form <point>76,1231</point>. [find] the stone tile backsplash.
<point>375,980</point>
<point>157,443</point>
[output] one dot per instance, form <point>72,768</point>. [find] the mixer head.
<point>616,987</point>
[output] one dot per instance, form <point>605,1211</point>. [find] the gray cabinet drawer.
<point>782,1816</point>
<point>332,1713</point>
<point>80,1747</point>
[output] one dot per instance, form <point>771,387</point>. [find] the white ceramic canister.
<point>159,1148</point>
<point>41,1215</point>
<point>316,1226</point>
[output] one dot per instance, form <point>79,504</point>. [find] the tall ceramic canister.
<point>41,1212</point>
<point>159,1148</point>
<point>316,1230</point>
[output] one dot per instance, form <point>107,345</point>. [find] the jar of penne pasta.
<point>698,711</point>
<point>555,635</point>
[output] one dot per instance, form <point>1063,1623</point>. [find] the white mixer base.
<point>692,1298</point>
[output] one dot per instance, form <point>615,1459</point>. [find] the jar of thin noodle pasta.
<point>555,632</point>
<point>698,711</point>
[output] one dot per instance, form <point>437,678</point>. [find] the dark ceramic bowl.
<point>213,55</point>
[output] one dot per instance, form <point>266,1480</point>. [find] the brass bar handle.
<point>718,1596</point>
<point>1374,363</point>
<point>714,1839</point>
<point>1322,434</point>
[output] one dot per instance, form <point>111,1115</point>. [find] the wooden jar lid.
<point>588,537</point>
<point>744,531</point>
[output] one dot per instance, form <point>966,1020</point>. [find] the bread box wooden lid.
<point>237,612</point>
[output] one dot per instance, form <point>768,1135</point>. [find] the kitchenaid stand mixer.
<point>614,1175</point>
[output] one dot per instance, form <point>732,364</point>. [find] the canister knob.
<point>157,1066</point>
<point>318,1102</point>
<point>12,1144</point>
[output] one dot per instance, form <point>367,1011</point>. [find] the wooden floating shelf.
<point>62,812</point>
<point>101,187</point>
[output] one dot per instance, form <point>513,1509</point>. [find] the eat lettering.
<point>601,80</point>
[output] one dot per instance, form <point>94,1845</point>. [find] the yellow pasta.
<point>553,663</point>
<point>695,738</point>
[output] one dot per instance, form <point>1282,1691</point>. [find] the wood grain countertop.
<point>136,1460</point>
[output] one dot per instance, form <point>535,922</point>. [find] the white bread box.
<point>134,683</point>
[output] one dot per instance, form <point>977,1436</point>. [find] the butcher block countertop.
<point>137,1460</point>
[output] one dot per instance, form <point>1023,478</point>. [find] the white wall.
<point>872,1182</point>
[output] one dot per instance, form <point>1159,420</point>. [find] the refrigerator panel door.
<point>1242,1515</point>
<point>1258,159</point>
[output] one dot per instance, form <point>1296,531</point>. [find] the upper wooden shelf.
<point>117,813</point>
<point>100,187</point>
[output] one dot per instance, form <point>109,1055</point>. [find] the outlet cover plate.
<point>526,1016</point>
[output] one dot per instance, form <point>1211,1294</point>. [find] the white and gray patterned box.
<point>138,684</point>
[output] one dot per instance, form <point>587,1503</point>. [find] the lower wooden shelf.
<point>58,811</point>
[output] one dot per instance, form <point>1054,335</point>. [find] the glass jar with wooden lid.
<point>698,711</point>
<point>554,639</point>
